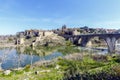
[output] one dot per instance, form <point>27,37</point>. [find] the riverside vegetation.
<point>75,65</point>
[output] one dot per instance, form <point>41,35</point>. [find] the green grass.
<point>68,50</point>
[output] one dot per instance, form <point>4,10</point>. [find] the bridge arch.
<point>96,41</point>
<point>110,39</point>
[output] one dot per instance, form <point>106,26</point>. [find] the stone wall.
<point>41,33</point>
<point>45,33</point>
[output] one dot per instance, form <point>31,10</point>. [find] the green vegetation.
<point>69,48</point>
<point>90,67</point>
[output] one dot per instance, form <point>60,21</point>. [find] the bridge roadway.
<point>110,39</point>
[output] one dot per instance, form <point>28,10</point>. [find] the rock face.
<point>43,38</point>
<point>50,40</point>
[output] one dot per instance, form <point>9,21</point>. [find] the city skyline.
<point>19,15</point>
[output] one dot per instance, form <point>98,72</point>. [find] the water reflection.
<point>19,57</point>
<point>94,50</point>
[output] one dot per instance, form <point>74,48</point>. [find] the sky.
<point>20,15</point>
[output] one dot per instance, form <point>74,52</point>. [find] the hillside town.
<point>35,36</point>
<point>65,30</point>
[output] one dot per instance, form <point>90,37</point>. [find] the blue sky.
<point>19,15</point>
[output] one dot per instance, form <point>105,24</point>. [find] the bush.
<point>68,50</point>
<point>116,58</point>
<point>116,69</point>
<point>97,57</point>
<point>27,68</point>
<point>68,43</point>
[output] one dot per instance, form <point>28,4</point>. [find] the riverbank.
<point>73,66</point>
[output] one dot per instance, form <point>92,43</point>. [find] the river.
<point>11,58</point>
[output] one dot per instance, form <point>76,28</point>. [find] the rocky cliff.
<point>50,40</point>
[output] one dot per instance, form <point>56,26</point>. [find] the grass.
<point>68,50</point>
<point>30,75</point>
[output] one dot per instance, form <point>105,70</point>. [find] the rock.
<point>7,72</point>
<point>57,67</point>
<point>51,40</point>
<point>41,63</point>
<point>45,71</point>
<point>20,68</point>
<point>75,56</point>
<point>26,79</point>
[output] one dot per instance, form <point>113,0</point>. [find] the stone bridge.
<point>110,39</point>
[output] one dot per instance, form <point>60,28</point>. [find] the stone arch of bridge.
<point>110,39</point>
<point>96,41</point>
<point>74,40</point>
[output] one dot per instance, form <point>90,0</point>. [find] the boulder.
<point>57,67</point>
<point>7,72</point>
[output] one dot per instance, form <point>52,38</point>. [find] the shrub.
<point>27,67</point>
<point>116,58</point>
<point>97,57</point>
<point>116,69</point>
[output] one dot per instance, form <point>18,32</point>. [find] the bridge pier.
<point>71,39</point>
<point>84,41</point>
<point>76,40</point>
<point>110,43</point>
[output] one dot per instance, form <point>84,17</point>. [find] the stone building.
<point>45,33</point>
<point>75,32</point>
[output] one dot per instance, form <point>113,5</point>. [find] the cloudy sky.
<point>19,15</point>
